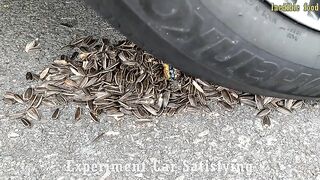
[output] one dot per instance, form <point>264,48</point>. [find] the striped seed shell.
<point>288,103</point>
<point>226,96</point>
<point>77,114</point>
<point>225,105</point>
<point>55,114</point>
<point>192,100</point>
<point>32,45</point>
<point>150,109</point>
<point>263,112</point>
<point>36,102</point>
<point>25,122</point>
<point>18,98</point>
<point>33,113</point>
<point>197,86</point>
<point>266,121</point>
<point>94,117</point>
<point>297,105</point>
<point>283,110</point>
<point>44,73</point>
<point>259,102</point>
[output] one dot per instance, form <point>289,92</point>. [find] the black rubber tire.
<point>240,44</point>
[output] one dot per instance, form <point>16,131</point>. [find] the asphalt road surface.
<point>193,145</point>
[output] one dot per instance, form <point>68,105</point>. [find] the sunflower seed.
<point>181,108</point>
<point>144,113</point>
<point>266,121</point>
<point>283,110</point>
<point>9,95</point>
<point>94,117</point>
<point>18,98</point>
<point>207,108</point>
<point>263,112</point>
<point>44,73</point>
<point>14,97</point>
<point>74,55</point>
<point>166,97</point>
<point>48,102</point>
<point>225,105</point>
<point>116,114</point>
<point>25,122</point>
<point>203,83</point>
<point>77,114</point>
<point>29,76</point>
<point>33,113</point>
<point>125,111</point>
<point>84,82</point>
<point>160,101</point>
<point>56,114</point>
<point>75,72</point>
<point>125,105</point>
<point>259,102</point>
<point>248,102</point>
<point>288,103</point>
<point>90,105</point>
<point>171,112</point>
<point>297,105</point>
<point>9,101</point>
<point>61,99</point>
<point>122,57</point>
<point>36,102</point>
<point>226,96</point>
<point>91,82</point>
<point>141,77</point>
<point>192,100</point>
<point>32,45</point>
<point>70,83</point>
<point>197,86</point>
<point>61,62</point>
<point>150,109</point>
<point>137,114</point>
<point>267,100</point>
<point>87,39</point>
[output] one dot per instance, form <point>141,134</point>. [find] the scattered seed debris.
<point>122,80</point>
<point>26,122</point>
<point>77,114</point>
<point>32,45</point>
<point>55,114</point>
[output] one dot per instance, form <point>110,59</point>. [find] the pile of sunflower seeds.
<point>121,80</point>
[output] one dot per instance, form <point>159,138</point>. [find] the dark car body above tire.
<point>240,44</point>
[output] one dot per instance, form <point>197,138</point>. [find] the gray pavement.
<point>197,145</point>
